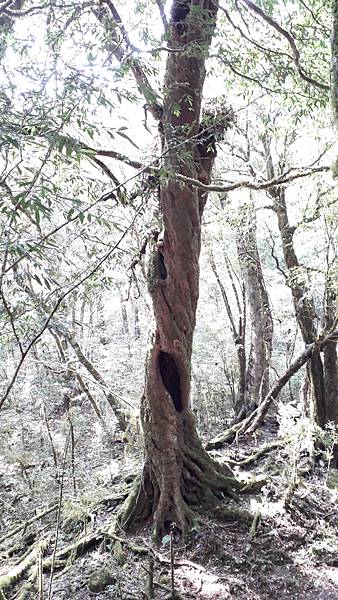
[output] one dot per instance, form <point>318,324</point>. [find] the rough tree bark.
<point>178,474</point>
<point>330,355</point>
<point>303,302</point>
<point>258,364</point>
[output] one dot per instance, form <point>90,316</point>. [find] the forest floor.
<point>279,543</point>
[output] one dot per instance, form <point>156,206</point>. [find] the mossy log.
<point>226,437</point>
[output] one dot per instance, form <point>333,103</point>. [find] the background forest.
<point>120,173</point>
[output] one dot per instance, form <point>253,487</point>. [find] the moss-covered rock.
<point>119,555</point>
<point>100,580</point>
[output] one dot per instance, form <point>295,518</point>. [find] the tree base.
<point>170,497</point>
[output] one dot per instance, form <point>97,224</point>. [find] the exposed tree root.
<point>259,453</point>
<point>29,585</point>
<point>226,437</point>
<point>6,581</point>
<point>28,561</point>
<point>253,485</point>
<point>85,542</point>
<point>60,560</point>
<point>226,513</point>
<point>170,493</point>
<point>78,547</point>
<point>255,523</point>
<point>24,525</point>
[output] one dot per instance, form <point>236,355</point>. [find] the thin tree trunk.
<point>238,334</point>
<point>82,385</point>
<point>84,360</point>
<point>95,407</point>
<point>124,314</point>
<point>302,300</point>
<point>137,330</point>
<point>330,357</point>
<point>257,375</point>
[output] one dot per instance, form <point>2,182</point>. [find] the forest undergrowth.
<point>280,542</point>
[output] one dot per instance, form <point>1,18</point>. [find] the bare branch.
<point>263,49</point>
<point>254,185</point>
<point>286,177</point>
<point>107,14</point>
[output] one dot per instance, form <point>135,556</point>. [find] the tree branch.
<point>286,177</point>
<point>163,15</point>
<point>58,304</point>
<point>287,35</point>
<point>263,49</point>
<point>102,198</point>
<point>256,418</point>
<point>112,18</point>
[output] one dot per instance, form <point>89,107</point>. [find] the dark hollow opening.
<point>162,267</point>
<point>180,11</point>
<point>171,378</point>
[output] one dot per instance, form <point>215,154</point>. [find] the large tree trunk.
<point>330,352</point>
<point>178,473</point>
<point>334,66</point>
<point>257,375</point>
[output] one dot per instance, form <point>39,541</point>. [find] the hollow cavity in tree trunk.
<point>171,378</point>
